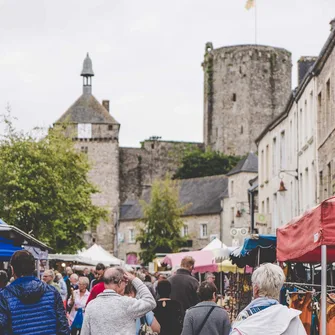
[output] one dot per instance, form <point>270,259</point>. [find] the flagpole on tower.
<point>250,4</point>
<point>255,2</point>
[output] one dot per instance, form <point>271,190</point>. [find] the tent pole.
<point>221,283</point>
<point>312,273</point>
<point>38,269</point>
<point>221,289</point>
<point>331,275</point>
<point>259,257</point>
<point>323,289</point>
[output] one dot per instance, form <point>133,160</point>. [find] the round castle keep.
<point>245,87</point>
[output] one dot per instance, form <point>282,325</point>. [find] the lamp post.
<point>251,192</point>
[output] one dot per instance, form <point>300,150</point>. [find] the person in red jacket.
<point>97,289</point>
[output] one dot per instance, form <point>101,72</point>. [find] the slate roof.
<point>203,194</point>
<point>247,164</point>
<point>87,109</point>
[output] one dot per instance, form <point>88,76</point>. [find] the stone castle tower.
<point>96,133</point>
<point>245,87</point>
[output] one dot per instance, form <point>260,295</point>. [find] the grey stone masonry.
<point>139,167</point>
<point>245,87</point>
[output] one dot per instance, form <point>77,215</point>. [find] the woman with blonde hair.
<point>77,303</point>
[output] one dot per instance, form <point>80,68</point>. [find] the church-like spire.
<point>87,74</point>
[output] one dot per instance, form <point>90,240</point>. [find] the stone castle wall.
<point>245,87</point>
<point>103,156</point>
<point>139,167</point>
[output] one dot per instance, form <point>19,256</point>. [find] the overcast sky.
<point>146,55</point>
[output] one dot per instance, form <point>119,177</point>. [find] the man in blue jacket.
<point>28,306</point>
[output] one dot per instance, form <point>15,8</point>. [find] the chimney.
<point>332,24</point>
<point>304,64</point>
<point>105,103</point>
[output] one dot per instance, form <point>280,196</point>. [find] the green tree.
<point>161,224</point>
<point>45,190</point>
<point>197,163</point>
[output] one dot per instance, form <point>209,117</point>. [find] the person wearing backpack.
<point>206,317</point>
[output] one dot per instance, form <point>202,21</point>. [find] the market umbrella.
<point>228,266</point>
<point>310,238</point>
<point>204,260</point>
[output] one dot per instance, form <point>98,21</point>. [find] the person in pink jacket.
<point>264,315</point>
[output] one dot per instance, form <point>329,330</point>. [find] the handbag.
<point>78,320</point>
<point>145,329</point>
<point>205,320</point>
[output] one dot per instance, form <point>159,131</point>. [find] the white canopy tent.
<point>219,249</point>
<point>92,256</point>
<point>215,244</point>
<point>71,258</point>
<point>99,255</point>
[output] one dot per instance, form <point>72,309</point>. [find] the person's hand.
<point>129,277</point>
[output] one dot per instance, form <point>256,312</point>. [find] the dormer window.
<point>84,130</point>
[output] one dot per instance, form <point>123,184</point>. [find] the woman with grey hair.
<point>264,315</point>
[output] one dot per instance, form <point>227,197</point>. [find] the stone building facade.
<point>325,101</point>
<point>296,150</point>
<point>128,248</point>
<point>245,88</point>
<point>202,219</point>
<point>235,215</point>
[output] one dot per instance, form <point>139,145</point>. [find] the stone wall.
<point>245,87</point>
<point>193,222</point>
<point>139,167</point>
<point>103,156</point>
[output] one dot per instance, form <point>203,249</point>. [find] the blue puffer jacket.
<point>30,307</point>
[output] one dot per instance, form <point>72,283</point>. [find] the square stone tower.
<point>96,133</point>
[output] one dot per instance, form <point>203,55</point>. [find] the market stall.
<point>91,256</point>
<point>256,250</point>
<point>13,239</point>
<point>310,238</point>
<point>204,260</point>
<point>99,255</point>
<point>7,248</point>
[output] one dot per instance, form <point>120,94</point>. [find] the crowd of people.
<point>115,301</point>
